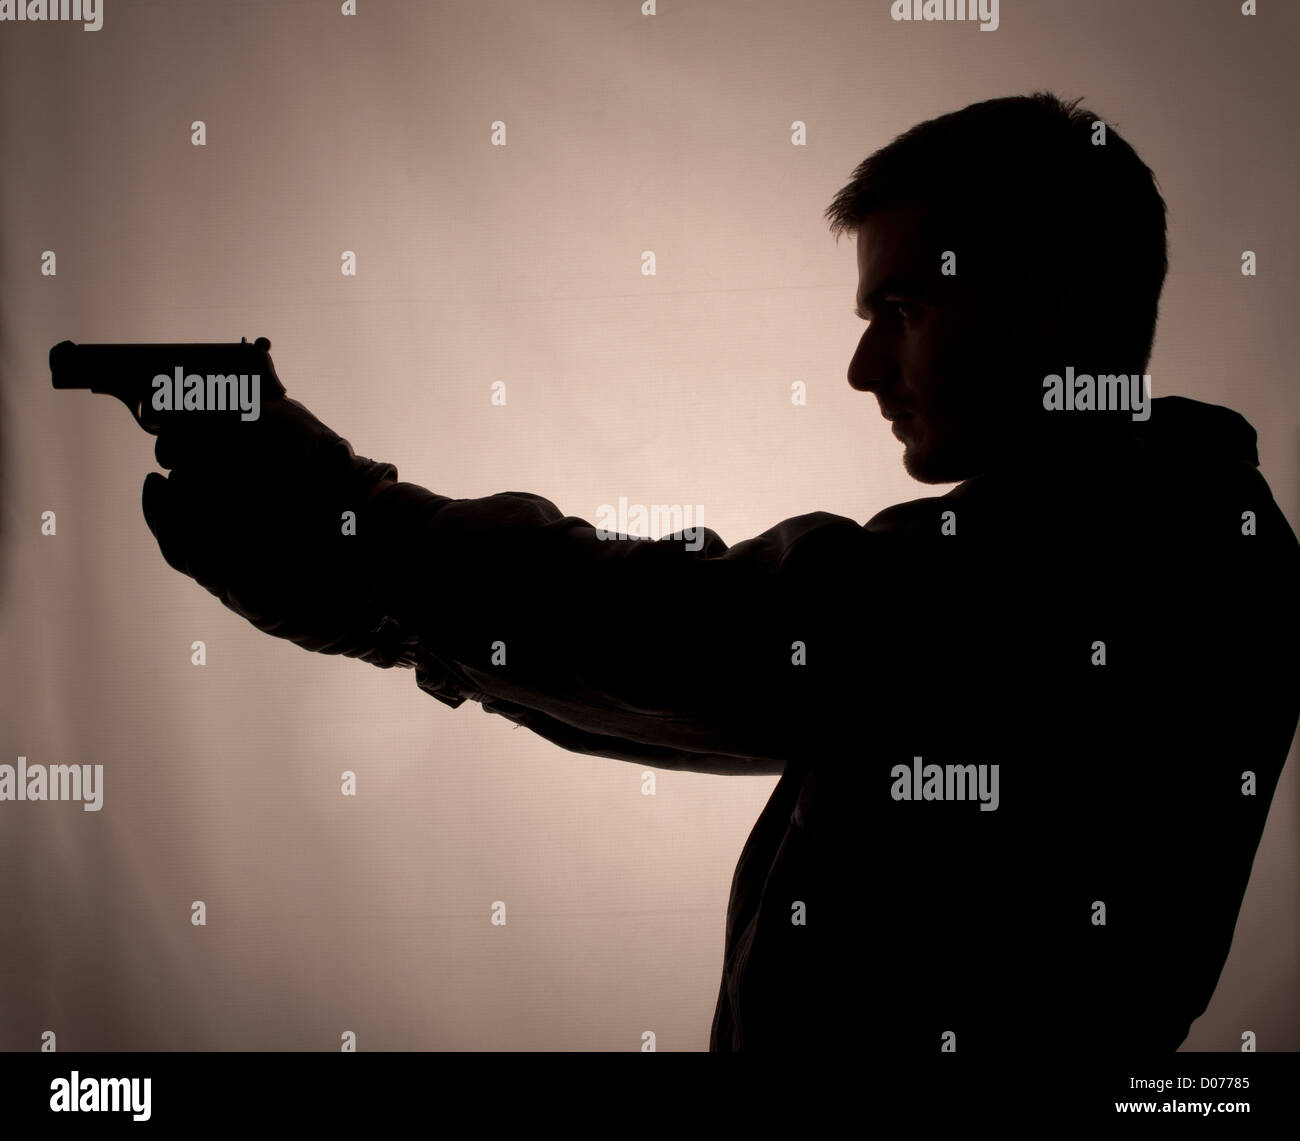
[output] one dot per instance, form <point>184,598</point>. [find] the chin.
<point>927,467</point>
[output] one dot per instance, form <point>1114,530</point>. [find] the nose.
<point>872,367</point>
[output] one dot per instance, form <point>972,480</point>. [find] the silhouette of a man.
<point>1027,731</point>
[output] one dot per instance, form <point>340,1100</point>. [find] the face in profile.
<point>948,366</point>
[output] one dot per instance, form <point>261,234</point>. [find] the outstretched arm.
<point>638,649</point>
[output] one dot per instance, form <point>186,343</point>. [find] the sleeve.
<point>637,649</point>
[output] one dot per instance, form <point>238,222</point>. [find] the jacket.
<point>1027,732</point>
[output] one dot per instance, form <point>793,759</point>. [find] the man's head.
<point>998,244</point>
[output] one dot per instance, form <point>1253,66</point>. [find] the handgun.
<point>162,382</point>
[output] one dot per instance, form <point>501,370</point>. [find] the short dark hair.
<point>1020,179</point>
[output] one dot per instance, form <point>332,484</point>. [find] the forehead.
<point>896,242</point>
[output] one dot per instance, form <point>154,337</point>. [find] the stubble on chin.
<point>920,468</point>
<point>935,466</point>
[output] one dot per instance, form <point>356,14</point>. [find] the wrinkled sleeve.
<point>637,649</point>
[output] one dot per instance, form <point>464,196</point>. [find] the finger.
<point>192,441</point>
<point>164,522</point>
<point>284,432</point>
<point>153,498</point>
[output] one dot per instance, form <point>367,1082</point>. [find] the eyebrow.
<point>900,284</point>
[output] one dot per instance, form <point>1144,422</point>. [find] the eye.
<point>905,310</point>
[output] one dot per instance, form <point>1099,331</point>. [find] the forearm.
<point>521,608</point>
